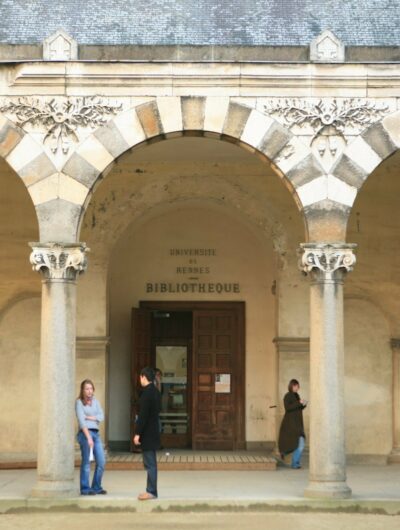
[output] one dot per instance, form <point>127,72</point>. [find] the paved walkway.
<point>376,489</point>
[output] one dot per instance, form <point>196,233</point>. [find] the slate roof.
<point>202,22</point>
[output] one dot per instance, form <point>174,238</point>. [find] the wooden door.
<point>216,408</point>
<point>141,357</point>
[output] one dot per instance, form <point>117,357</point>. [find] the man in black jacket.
<point>147,431</point>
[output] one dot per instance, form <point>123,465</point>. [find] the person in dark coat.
<point>147,431</point>
<point>291,434</point>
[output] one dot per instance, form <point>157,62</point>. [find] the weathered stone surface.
<point>348,171</point>
<point>149,118</point>
<point>10,136</point>
<point>326,221</point>
<point>361,153</point>
<point>306,170</point>
<point>256,127</point>
<point>25,151</point>
<point>79,169</point>
<point>58,221</point>
<point>215,113</point>
<point>112,139</point>
<point>274,140</point>
<point>379,139</point>
<point>236,119</point>
<point>392,125</point>
<point>130,127</point>
<point>170,112</point>
<point>193,110</point>
<point>40,168</point>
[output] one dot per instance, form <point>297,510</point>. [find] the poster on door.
<point>222,383</point>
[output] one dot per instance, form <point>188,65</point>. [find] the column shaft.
<point>59,266</point>
<point>326,264</point>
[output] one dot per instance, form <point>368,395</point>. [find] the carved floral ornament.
<point>328,120</point>
<point>60,118</point>
<point>59,262</point>
<point>327,258</point>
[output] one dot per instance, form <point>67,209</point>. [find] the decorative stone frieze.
<point>329,122</point>
<point>327,48</point>
<point>339,114</point>
<point>327,258</point>
<point>60,118</point>
<point>60,47</point>
<point>59,261</point>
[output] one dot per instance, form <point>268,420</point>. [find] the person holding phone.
<point>291,434</point>
<point>89,414</point>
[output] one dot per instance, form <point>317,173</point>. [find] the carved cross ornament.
<point>58,262</point>
<point>60,118</point>
<point>327,258</point>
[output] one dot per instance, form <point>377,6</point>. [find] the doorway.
<point>199,347</point>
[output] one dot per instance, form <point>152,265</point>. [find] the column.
<point>394,457</point>
<point>59,265</point>
<point>326,264</point>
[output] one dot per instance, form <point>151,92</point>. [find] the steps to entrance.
<point>196,460</point>
<point>176,460</point>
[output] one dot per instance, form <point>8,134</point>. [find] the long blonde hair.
<point>85,382</point>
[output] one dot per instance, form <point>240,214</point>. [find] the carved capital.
<point>327,258</point>
<point>59,261</point>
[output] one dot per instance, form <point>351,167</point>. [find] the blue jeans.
<point>150,464</point>
<point>85,464</point>
<point>296,457</point>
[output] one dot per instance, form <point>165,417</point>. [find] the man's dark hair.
<point>148,372</point>
<point>292,383</point>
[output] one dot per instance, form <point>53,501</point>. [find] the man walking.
<point>147,431</point>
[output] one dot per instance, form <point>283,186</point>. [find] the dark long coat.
<point>292,426</point>
<point>147,424</point>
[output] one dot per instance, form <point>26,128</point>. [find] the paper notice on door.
<point>222,383</point>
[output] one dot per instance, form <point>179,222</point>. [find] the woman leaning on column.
<point>89,414</point>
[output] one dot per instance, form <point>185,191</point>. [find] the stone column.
<point>394,457</point>
<point>59,265</point>
<point>326,264</point>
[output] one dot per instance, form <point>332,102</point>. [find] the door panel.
<point>215,339</point>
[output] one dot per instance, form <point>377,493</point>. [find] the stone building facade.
<point>236,182</point>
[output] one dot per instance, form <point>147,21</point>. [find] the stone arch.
<point>360,158</point>
<point>29,160</point>
<point>167,117</point>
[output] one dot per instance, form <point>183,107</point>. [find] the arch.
<point>167,117</point>
<point>361,157</point>
<point>261,214</point>
<point>28,159</point>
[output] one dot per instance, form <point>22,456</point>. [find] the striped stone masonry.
<point>316,193</point>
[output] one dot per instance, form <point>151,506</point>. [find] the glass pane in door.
<point>172,361</point>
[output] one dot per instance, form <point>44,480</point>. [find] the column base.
<point>328,490</point>
<point>394,456</point>
<point>55,488</point>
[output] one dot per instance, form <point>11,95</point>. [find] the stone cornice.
<point>170,78</point>
<point>88,347</point>
<point>292,344</point>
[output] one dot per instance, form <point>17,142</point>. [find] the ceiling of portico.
<point>188,170</point>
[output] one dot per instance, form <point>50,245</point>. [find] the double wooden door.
<point>215,370</point>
